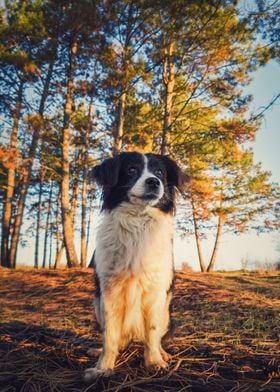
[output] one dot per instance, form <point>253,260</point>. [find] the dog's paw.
<point>165,355</point>
<point>92,373</point>
<point>156,365</point>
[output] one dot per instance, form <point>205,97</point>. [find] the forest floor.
<point>225,336</point>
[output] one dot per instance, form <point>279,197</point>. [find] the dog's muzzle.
<point>152,188</point>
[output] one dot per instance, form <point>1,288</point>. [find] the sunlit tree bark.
<point>7,209</point>
<point>68,230</point>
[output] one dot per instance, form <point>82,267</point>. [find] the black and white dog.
<point>134,255</point>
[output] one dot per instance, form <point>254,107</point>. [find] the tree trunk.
<point>216,245</point>
<point>84,186</point>
<point>68,232</point>
<point>38,225</point>
<point>50,246</point>
<point>1,220</point>
<point>47,226</point>
<point>7,208</point>
<point>89,221</point>
<point>119,130</point>
<point>197,239</point>
<point>59,244</point>
<point>118,134</point>
<point>168,77</point>
<point>88,227</point>
<point>31,155</point>
<point>58,256</point>
<point>75,193</point>
<point>57,232</point>
<point>83,219</point>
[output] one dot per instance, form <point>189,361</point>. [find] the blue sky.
<point>265,85</point>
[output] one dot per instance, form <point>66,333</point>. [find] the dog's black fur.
<point>115,177</point>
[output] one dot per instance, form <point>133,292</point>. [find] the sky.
<point>265,86</point>
<point>235,249</point>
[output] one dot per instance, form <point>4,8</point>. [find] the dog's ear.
<point>175,176</point>
<point>107,174</point>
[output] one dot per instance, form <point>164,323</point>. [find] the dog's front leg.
<point>154,319</point>
<point>111,313</point>
<point>111,334</point>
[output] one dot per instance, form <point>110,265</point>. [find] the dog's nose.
<point>153,183</point>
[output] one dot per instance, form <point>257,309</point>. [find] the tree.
<point>127,32</point>
<point>245,198</point>
<point>231,194</point>
<point>10,186</point>
<point>83,123</point>
<point>211,150</point>
<point>47,225</point>
<point>22,32</point>
<point>47,63</point>
<point>79,25</point>
<point>206,59</point>
<point>80,79</point>
<point>38,220</point>
<point>68,232</point>
<point>264,15</point>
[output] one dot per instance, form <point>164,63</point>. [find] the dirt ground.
<point>225,336</point>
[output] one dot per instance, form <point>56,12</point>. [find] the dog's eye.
<point>159,173</point>
<point>132,170</point>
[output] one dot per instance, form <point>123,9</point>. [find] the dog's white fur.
<point>137,191</point>
<point>134,264</point>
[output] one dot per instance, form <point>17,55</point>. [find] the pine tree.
<point>22,32</point>
<point>127,31</point>
<point>211,55</point>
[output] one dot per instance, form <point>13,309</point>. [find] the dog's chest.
<point>131,240</point>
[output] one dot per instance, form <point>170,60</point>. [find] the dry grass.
<point>225,336</point>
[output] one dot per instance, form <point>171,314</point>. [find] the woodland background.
<point>84,80</point>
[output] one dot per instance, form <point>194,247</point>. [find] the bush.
<point>186,267</point>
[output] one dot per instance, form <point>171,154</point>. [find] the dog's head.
<point>141,179</point>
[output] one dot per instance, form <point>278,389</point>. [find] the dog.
<point>134,257</point>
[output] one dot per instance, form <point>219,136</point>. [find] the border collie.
<point>134,255</point>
